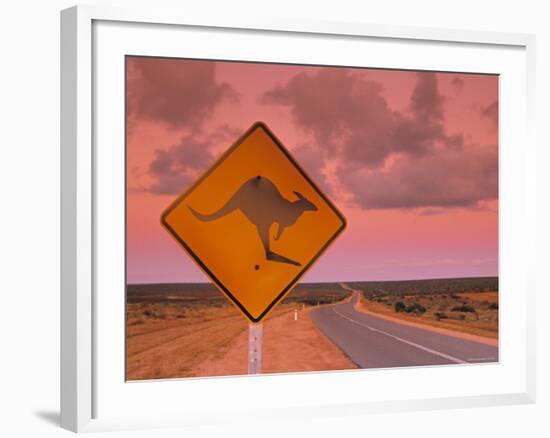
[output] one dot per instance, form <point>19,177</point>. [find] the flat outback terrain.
<point>464,305</point>
<point>191,330</point>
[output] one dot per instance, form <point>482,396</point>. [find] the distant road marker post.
<point>254,223</point>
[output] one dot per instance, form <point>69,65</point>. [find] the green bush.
<point>399,306</point>
<point>415,308</point>
<point>152,314</point>
<point>149,313</point>
<point>463,308</point>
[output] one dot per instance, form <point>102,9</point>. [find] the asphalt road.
<point>373,342</point>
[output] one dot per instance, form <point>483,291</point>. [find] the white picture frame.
<point>93,392</point>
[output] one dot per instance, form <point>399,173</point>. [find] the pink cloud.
<point>388,159</point>
<point>345,111</point>
<point>175,168</point>
<point>458,83</point>
<point>450,178</point>
<point>180,93</point>
<point>491,112</point>
<point>312,161</point>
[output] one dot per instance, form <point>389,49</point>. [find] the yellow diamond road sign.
<point>254,222</point>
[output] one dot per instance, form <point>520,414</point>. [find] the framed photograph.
<point>343,212</point>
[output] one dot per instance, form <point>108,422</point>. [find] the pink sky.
<point>411,159</point>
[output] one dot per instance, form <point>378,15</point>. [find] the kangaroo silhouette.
<point>263,205</point>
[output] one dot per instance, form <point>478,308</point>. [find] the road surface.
<point>373,342</point>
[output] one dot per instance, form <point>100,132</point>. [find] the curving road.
<point>374,342</point>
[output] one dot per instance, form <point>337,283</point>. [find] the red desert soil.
<point>173,341</point>
<point>288,346</point>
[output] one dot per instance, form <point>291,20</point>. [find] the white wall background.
<point>29,218</point>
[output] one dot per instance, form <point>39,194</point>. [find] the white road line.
<point>397,338</point>
<point>470,359</point>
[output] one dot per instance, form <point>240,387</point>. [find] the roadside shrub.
<point>440,315</point>
<point>415,308</point>
<point>152,314</point>
<point>137,322</point>
<point>493,306</point>
<point>455,296</point>
<point>149,313</point>
<point>463,308</point>
<point>399,306</point>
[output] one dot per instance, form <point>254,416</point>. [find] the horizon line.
<point>336,281</point>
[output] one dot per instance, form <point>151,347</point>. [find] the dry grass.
<point>289,345</point>
<point>193,339</point>
<point>474,313</point>
<point>179,330</point>
<point>169,340</point>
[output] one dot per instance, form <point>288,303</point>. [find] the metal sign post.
<point>255,335</point>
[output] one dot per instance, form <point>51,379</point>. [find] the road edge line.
<point>405,341</point>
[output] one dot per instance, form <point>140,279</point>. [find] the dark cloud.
<point>431,211</point>
<point>426,102</point>
<point>447,179</point>
<point>388,159</point>
<point>349,114</point>
<point>309,158</point>
<point>458,83</point>
<point>173,169</point>
<point>331,102</point>
<point>491,112</point>
<point>180,93</point>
